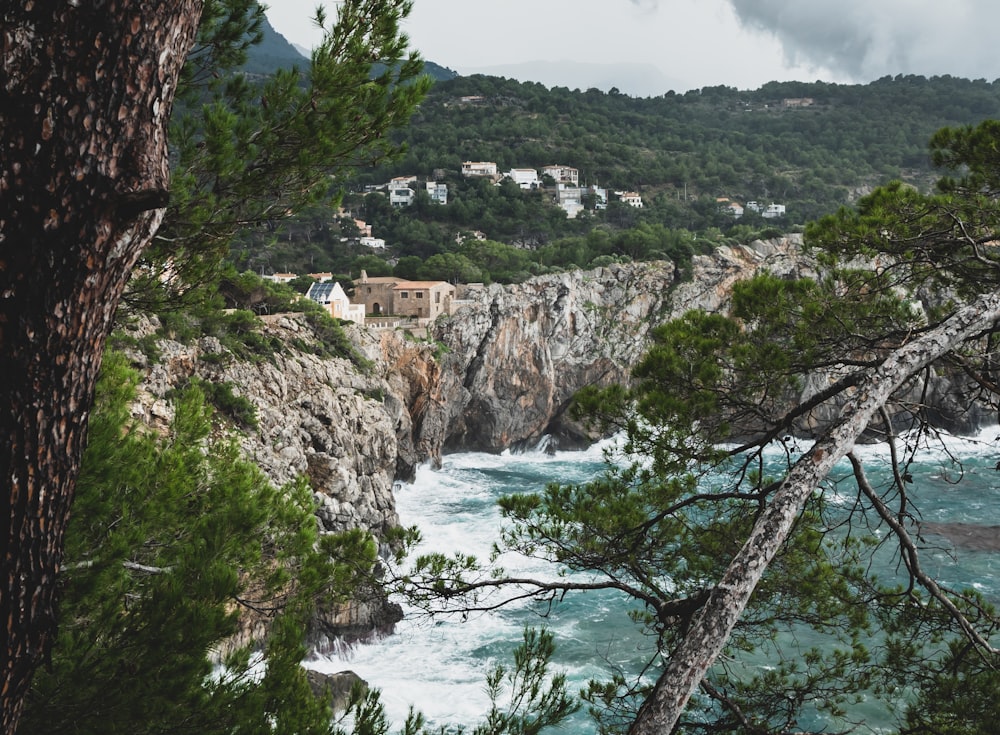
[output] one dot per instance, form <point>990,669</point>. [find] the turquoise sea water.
<point>438,666</point>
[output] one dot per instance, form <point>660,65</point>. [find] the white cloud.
<point>687,44</point>
<point>867,39</point>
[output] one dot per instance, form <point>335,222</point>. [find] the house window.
<point>419,294</point>
<point>404,294</point>
<point>369,289</point>
<point>437,297</point>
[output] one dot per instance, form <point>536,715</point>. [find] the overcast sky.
<point>647,47</point>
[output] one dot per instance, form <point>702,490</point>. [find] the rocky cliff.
<point>319,417</point>
<point>498,373</point>
<point>502,370</point>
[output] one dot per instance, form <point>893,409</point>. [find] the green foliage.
<point>331,339</point>
<point>497,261</point>
<point>408,267</point>
<point>944,240</point>
<point>173,538</point>
<point>250,151</point>
<point>373,265</point>
<point>227,30</point>
<point>301,284</point>
<point>238,330</point>
<point>451,267</point>
<point>236,407</point>
<point>525,700</point>
<point>956,696</point>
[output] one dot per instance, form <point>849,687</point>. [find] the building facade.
<point>563,174</point>
<point>479,168</point>
<point>388,295</point>
<point>332,296</point>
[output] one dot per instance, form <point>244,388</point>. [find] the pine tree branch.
<point>713,625</point>
<point>911,558</point>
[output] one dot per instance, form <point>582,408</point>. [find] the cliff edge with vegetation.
<point>499,373</point>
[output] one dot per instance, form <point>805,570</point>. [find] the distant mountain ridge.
<point>637,80</point>
<point>276,52</point>
<point>273,52</point>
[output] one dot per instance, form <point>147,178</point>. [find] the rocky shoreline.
<point>497,374</point>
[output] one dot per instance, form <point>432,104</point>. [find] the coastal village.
<point>386,302</point>
<point>562,181</point>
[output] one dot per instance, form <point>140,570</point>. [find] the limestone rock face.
<point>503,368</point>
<point>335,686</point>
<point>713,276</point>
<point>511,360</point>
<point>317,417</point>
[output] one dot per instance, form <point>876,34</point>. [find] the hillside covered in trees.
<point>812,147</point>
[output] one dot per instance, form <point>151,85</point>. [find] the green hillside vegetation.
<point>812,147</point>
<point>805,144</point>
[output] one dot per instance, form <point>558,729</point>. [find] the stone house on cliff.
<point>385,295</point>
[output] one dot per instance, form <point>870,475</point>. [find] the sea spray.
<point>438,665</point>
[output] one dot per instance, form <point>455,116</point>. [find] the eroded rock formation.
<point>498,373</point>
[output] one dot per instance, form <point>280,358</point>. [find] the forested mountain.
<point>273,52</point>
<point>809,146</point>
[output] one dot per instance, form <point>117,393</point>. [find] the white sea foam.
<point>439,665</point>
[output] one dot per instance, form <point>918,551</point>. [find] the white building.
<point>631,198</point>
<point>773,211</point>
<point>401,196</point>
<point>332,296</point>
<point>570,198</point>
<point>563,174</point>
<point>600,196</point>
<point>375,243</point>
<point>479,168</point>
<point>438,192</point>
<point>526,178</point>
<point>733,209</point>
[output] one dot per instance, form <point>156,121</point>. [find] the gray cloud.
<point>867,39</point>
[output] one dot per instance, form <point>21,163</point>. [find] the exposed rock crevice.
<point>500,373</point>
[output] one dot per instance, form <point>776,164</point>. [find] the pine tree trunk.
<point>710,630</point>
<point>85,98</point>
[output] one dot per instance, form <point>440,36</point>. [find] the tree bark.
<point>712,627</point>
<point>85,98</point>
